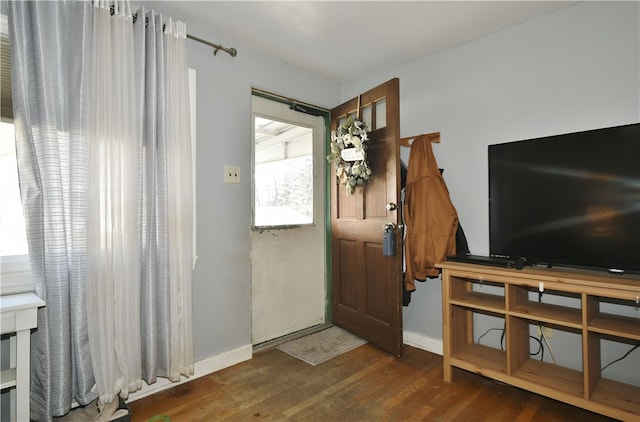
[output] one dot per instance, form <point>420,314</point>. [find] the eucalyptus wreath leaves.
<point>349,154</point>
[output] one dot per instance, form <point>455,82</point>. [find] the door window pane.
<point>381,113</point>
<point>365,112</point>
<point>283,174</point>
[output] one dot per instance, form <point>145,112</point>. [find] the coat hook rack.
<point>429,137</point>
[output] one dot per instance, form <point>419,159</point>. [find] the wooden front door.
<point>366,296</point>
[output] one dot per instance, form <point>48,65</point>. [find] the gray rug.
<point>322,346</point>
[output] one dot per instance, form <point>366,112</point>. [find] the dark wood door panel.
<point>377,302</point>
<point>366,285</point>
<point>346,204</point>
<point>345,258</point>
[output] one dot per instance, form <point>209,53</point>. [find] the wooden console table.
<point>19,316</point>
<point>513,298</point>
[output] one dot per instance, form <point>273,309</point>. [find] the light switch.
<point>231,174</point>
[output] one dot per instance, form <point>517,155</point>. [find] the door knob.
<point>391,206</point>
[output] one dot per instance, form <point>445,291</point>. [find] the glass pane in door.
<point>283,174</point>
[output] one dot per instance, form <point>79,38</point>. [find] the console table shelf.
<point>18,317</point>
<point>552,314</point>
<point>484,301</point>
<point>510,295</point>
<point>477,358</point>
<point>615,325</point>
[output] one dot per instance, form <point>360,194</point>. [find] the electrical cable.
<point>619,359</point>
<point>502,335</point>
<point>495,329</point>
<point>543,337</point>
<point>540,348</point>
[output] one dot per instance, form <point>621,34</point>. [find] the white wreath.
<point>349,154</point>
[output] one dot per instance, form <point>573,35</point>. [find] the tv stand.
<point>512,297</point>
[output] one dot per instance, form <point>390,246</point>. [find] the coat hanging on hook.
<point>431,219</point>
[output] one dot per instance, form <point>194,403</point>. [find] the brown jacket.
<point>430,217</point>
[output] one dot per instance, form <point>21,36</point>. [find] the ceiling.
<point>344,41</point>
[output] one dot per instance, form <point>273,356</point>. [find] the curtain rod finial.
<point>232,51</point>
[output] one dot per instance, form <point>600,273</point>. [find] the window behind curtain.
<point>15,274</point>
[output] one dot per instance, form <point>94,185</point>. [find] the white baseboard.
<point>200,369</point>
<point>430,344</point>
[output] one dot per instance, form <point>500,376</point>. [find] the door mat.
<point>322,346</point>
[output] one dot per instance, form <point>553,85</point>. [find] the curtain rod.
<point>217,47</point>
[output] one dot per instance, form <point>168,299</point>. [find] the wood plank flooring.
<point>365,384</point>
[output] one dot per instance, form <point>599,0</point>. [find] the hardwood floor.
<point>365,384</point>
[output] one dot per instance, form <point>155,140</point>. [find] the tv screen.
<point>568,200</point>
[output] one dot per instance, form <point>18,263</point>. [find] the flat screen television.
<point>568,200</point>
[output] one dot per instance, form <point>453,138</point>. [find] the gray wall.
<point>221,280</point>
<point>574,69</point>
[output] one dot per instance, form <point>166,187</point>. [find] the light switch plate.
<point>231,174</point>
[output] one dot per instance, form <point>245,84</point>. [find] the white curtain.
<point>165,197</point>
<point>140,213</point>
<point>180,199</point>
<point>102,127</point>
<point>113,288</point>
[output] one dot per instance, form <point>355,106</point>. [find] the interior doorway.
<point>288,232</point>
